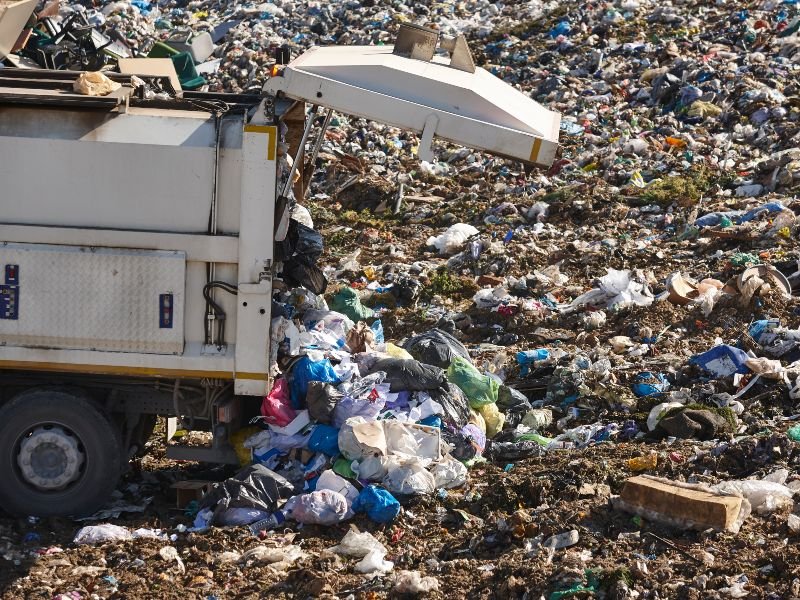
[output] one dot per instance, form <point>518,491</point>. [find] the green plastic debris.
<point>342,467</point>
<point>794,433</point>
<point>347,302</point>
<point>479,389</point>
<point>591,587</point>
<point>741,259</point>
<point>725,222</point>
<point>542,440</point>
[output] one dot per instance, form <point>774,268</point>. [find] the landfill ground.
<point>600,207</point>
<point>472,541</point>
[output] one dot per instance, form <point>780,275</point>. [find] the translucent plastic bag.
<point>348,407</point>
<point>408,477</point>
<point>479,389</point>
<point>449,473</point>
<point>493,417</point>
<point>358,545</point>
<point>323,507</point>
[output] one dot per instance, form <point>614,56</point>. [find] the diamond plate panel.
<point>95,298</point>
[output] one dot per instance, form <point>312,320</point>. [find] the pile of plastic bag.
<point>353,423</point>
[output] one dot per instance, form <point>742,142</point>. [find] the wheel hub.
<point>50,458</point>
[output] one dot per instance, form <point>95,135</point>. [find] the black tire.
<point>96,436</point>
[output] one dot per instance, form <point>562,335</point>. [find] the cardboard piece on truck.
<point>14,15</point>
<point>20,62</point>
<point>153,67</point>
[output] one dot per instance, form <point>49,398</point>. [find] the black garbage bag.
<point>411,375</point>
<point>436,347</point>
<point>301,271</point>
<point>463,448</point>
<point>455,404</point>
<point>321,399</point>
<point>511,451</point>
<point>254,487</point>
<point>406,290</point>
<point>306,241</point>
<point>300,240</point>
<point>508,398</point>
<point>513,404</point>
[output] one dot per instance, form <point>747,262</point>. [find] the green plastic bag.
<point>342,467</point>
<point>479,389</point>
<point>346,301</point>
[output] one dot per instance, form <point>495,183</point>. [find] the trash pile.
<point>574,383</point>
<point>352,422</point>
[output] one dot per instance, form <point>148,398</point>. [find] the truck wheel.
<point>59,455</point>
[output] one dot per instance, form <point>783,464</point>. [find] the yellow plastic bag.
<point>245,455</point>
<point>397,352</point>
<point>494,419</point>
<point>94,83</point>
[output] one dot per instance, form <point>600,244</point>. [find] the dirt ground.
<point>472,540</point>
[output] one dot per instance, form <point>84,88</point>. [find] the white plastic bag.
<point>411,582</point>
<point>278,559</point>
<point>170,554</point>
<point>374,564</point>
<point>658,411</point>
<point>323,507</point>
<point>358,545</point>
<point>370,468</point>
<point>764,496</point>
<point>329,480</point>
<point>408,477</point>
<point>449,473</point>
<point>411,439</point>
<point>100,534</point>
<point>453,239</point>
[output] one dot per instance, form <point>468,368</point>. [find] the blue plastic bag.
<point>431,421</point>
<point>647,384</point>
<point>378,503</point>
<point>722,361</point>
<point>739,216</point>
<point>377,329</point>
<point>324,439</point>
<point>307,370</point>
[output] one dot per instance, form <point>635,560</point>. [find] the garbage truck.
<point>140,238</point>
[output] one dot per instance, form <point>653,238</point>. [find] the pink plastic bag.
<point>277,406</point>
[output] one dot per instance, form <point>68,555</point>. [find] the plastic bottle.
<point>528,357</point>
<point>643,463</point>
<point>273,521</point>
